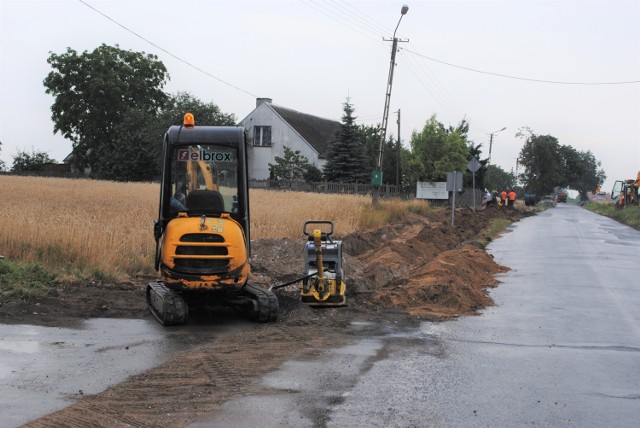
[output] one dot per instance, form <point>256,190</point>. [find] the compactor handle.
<point>306,232</point>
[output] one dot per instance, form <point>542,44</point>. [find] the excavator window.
<point>204,179</point>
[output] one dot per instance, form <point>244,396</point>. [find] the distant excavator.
<point>626,192</point>
<point>202,231</point>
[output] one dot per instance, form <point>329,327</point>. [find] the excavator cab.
<point>626,192</point>
<point>202,231</point>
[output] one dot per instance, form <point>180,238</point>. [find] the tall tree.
<point>543,163</point>
<point>549,165</point>
<point>582,171</point>
<point>95,91</point>
<point>346,157</point>
<point>437,150</point>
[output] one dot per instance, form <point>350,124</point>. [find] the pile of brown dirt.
<point>452,284</point>
<point>422,265</point>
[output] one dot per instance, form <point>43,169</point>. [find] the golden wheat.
<point>90,228</point>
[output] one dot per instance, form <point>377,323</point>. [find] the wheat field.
<point>101,229</point>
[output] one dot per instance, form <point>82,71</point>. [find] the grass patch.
<point>389,211</point>
<point>629,215</point>
<point>492,231</point>
<point>23,281</point>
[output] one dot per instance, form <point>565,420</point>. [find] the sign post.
<point>474,166</point>
<point>454,184</point>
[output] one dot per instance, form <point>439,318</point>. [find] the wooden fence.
<point>463,199</point>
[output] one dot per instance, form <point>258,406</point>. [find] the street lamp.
<point>377,175</point>
<point>491,140</point>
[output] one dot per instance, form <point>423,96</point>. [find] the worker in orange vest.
<point>503,198</point>
<point>512,199</point>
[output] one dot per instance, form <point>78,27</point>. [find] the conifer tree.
<point>346,157</point>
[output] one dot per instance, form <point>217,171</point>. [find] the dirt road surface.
<point>422,268</point>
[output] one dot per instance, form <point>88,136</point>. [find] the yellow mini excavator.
<point>626,192</point>
<point>323,283</point>
<point>202,230</point>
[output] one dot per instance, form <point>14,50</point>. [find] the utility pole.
<point>377,175</point>
<point>486,177</point>
<point>398,154</point>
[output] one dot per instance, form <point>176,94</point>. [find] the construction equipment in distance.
<point>626,192</point>
<point>324,276</point>
<point>202,230</point>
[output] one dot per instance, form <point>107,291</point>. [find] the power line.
<point>339,17</point>
<point>166,51</point>
<point>522,78</point>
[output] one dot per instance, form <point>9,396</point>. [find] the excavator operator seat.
<point>202,202</point>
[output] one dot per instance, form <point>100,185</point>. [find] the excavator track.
<point>166,305</point>
<point>265,303</point>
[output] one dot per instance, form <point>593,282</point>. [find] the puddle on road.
<point>43,369</point>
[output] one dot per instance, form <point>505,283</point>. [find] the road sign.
<point>474,165</point>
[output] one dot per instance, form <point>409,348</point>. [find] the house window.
<point>262,136</point>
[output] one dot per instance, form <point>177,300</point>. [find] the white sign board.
<point>427,190</point>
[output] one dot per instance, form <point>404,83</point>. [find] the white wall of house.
<point>282,135</point>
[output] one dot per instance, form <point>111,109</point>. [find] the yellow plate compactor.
<point>324,278</point>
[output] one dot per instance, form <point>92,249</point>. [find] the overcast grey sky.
<point>310,55</point>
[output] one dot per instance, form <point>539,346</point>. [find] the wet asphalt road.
<point>560,348</point>
<point>44,369</point>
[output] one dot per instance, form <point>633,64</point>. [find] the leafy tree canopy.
<point>134,153</point>
<point>437,150</point>
<point>30,161</point>
<point>95,91</point>
<point>548,165</point>
<point>498,179</point>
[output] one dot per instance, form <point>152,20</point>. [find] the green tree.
<point>549,165</point>
<point>498,179</point>
<point>134,153</point>
<point>30,161</point>
<point>96,91</point>
<point>204,113</point>
<point>346,157</point>
<point>437,150</point>
<point>370,138</point>
<point>312,174</point>
<point>543,163</point>
<point>581,170</point>
<point>293,166</point>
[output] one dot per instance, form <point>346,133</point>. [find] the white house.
<point>272,127</point>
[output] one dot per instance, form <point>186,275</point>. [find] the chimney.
<point>262,101</point>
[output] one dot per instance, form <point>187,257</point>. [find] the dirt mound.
<point>422,265</point>
<point>452,284</point>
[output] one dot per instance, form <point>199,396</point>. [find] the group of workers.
<point>507,199</point>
